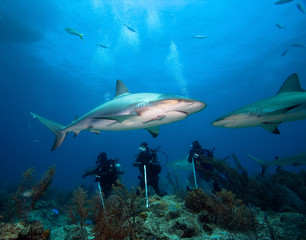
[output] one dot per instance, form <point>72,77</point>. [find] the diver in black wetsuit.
<point>203,162</point>
<point>106,173</point>
<point>148,157</point>
<point>200,156</point>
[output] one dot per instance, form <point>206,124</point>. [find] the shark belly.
<point>145,120</point>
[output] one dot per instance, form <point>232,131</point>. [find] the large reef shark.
<point>295,160</point>
<point>289,104</point>
<point>128,111</point>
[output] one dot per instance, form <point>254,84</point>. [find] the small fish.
<point>199,36</point>
<point>282,2</point>
<point>131,29</point>
<point>174,206</point>
<point>55,211</point>
<point>36,141</point>
<point>28,193</point>
<point>89,222</point>
<point>299,6</point>
<point>73,32</point>
<point>280,26</point>
<point>101,45</point>
<point>285,52</point>
<point>297,45</point>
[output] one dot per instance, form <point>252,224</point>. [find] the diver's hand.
<point>195,156</point>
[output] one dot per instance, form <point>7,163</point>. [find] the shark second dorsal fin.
<point>121,88</point>
<point>292,84</point>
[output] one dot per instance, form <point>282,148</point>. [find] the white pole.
<point>194,174</point>
<point>100,191</point>
<point>146,185</point>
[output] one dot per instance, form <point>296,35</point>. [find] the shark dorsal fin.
<point>121,88</point>
<point>292,84</point>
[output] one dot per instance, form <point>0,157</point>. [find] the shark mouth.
<point>181,112</point>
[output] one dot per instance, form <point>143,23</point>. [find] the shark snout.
<point>193,106</point>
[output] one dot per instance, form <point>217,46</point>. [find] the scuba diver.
<point>148,157</point>
<point>107,173</point>
<point>203,162</point>
<point>201,157</point>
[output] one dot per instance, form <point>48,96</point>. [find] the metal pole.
<point>146,185</point>
<point>100,191</point>
<point>194,174</point>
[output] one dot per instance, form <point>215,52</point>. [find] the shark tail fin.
<point>264,165</point>
<point>55,127</point>
<point>81,36</point>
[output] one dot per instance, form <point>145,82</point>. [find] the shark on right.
<point>289,104</point>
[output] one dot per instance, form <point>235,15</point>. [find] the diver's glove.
<point>195,156</point>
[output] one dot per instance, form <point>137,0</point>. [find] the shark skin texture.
<point>289,104</point>
<point>127,111</point>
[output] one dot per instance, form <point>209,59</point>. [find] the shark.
<point>180,164</point>
<point>127,111</point>
<point>289,104</point>
<point>295,160</point>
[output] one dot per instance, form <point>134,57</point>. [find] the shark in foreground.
<point>128,111</point>
<point>289,104</point>
<point>295,160</point>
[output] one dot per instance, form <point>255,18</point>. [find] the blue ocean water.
<point>45,70</point>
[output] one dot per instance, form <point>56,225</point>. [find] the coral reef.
<point>117,219</point>
<point>23,230</point>
<point>201,215</point>
<point>29,191</point>
<point>78,212</point>
<point>223,209</point>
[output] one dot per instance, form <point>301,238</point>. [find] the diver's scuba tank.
<point>118,168</point>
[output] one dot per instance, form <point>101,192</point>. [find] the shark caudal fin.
<point>264,165</point>
<point>55,127</point>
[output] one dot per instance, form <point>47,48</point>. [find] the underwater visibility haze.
<point>62,59</point>
<point>226,54</point>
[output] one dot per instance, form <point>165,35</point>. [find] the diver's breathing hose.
<point>146,184</point>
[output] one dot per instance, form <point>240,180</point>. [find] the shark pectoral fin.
<point>76,133</point>
<point>118,118</point>
<point>154,131</point>
<point>271,127</point>
<point>95,131</point>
